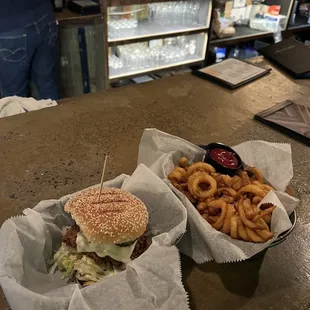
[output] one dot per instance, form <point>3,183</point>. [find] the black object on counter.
<point>84,7</point>
<point>220,166</point>
<point>232,73</point>
<point>291,55</point>
<point>289,118</point>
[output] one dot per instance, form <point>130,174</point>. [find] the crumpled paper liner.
<point>161,152</point>
<point>152,281</point>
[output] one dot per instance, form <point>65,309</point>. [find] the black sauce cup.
<point>219,167</point>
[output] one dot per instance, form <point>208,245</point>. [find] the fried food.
<point>255,208</point>
<point>226,180</point>
<point>244,219</point>
<point>236,182</point>
<point>256,200</point>
<point>266,234</point>
<point>252,189</point>
<point>248,210</point>
<point>228,203</point>
<point>183,162</point>
<point>227,191</point>
<point>213,211</point>
<point>264,187</point>
<point>191,179</point>
<point>253,235</point>
<point>194,185</point>
<point>244,177</point>
<point>267,218</point>
<point>242,233</point>
<point>203,167</point>
<point>257,174</point>
<point>181,186</point>
<point>217,176</point>
<point>230,212</point>
<point>228,199</point>
<point>267,211</point>
<point>219,204</point>
<point>234,227</point>
<point>201,206</point>
<point>177,175</point>
<point>210,218</point>
<point>222,180</point>
<point>255,182</point>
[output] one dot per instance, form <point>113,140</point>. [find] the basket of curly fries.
<point>235,197</point>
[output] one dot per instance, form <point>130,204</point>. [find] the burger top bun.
<point>118,217</point>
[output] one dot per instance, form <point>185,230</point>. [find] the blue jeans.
<point>30,53</point>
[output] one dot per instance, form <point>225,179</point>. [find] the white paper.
<point>233,71</point>
<point>239,3</point>
<point>202,242</point>
<point>16,105</point>
<point>152,281</point>
<point>274,160</point>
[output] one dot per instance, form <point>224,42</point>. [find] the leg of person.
<point>15,55</point>
<point>43,64</point>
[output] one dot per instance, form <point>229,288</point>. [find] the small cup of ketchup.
<point>223,158</point>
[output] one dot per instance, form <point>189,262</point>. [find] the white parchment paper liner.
<point>152,281</point>
<point>161,152</point>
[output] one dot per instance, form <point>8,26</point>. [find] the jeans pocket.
<point>13,48</point>
<point>53,28</point>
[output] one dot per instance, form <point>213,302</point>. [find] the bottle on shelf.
<point>192,47</point>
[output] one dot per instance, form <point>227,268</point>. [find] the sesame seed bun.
<point>119,216</point>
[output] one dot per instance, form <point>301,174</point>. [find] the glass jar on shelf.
<point>155,53</point>
<point>175,12</point>
<point>122,23</point>
<point>115,62</point>
<point>192,47</point>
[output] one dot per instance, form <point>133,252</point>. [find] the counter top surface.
<point>56,151</point>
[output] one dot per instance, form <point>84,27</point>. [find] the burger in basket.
<point>106,235</point>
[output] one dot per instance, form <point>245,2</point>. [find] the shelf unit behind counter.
<point>244,34</point>
<point>191,24</point>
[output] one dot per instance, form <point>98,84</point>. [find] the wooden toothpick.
<point>102,176</point>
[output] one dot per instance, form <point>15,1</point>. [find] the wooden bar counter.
<point>56,151</point>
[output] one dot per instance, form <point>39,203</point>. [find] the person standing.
<point>28,36</point>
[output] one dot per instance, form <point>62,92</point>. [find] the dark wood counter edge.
<point>298,28</point>
<point>81,20</point>
<point>239,39</point>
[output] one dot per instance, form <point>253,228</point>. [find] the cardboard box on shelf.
<point>228,8</point>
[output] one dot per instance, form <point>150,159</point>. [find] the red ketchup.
<point>224,157</point>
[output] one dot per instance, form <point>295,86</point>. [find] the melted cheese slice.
<point>121,254</point>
